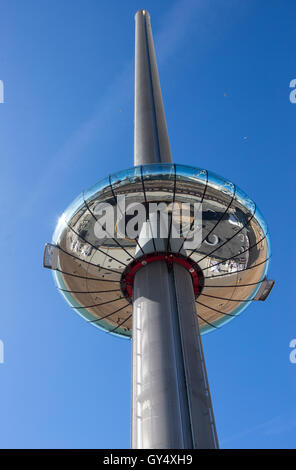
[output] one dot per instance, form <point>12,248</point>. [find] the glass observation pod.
<point>221,236</point>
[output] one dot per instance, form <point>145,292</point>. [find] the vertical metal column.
<point>151,140</point>
<point>171,404</point>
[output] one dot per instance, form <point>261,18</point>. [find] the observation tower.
<point>161,253</point>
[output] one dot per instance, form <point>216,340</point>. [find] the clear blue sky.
<point>67,121</point>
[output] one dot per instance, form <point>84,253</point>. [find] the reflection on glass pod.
<point>219,229</point>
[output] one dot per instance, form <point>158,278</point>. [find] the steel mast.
<point>171,403</point>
